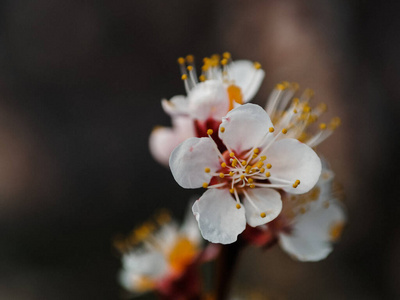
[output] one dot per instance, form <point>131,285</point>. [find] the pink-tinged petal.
<point>245,127</point>
<point>220,221</point>
<point>264,200</point>
<point>208,99</point>
<point>163,140</point>
<point>292,160</point>
<point>313,232</point>
<point>189,160</point>
<point>177,105</point>
<point>247,77</point>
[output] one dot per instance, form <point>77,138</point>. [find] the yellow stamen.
<point>189,68</point>
<point>269,166</point>
<point>231,154</point>
<point>184,77</point>
<point>263,215</point>
<point>226,55</point>
<point>222,175</point>
<point>268,174</point>
<point>252,186</point>
<point>257,65</point>
<point>210,131</point>
<point>190,58</point>
<point>256,150</point>
<point>205,185</point>
<point>271,129</point>
<point>322,126</point>
<point>284,130</point>
<point>280,87</point>
<point>202,78</point>
<point>238,206</point>
<point>250,180</point>
<point>231,191</point>
<point>231,173</point>
<point>207,170</point>
<point>223,165</point>
<point>262,158</point>
<point>222,129</point>
<point>262,170</point>
<point>181,60</point>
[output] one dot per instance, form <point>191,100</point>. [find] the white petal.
<point>267,201</point>
<point>219,219</point>
<point>247,77</point>
<point>245,127</point>
<point>150,263</point>
<point>292,160</point>
<point>177,105</point>
<point>311,238</point>
<point>189,160</point>
<point>163,140</point>
<point>208,99</point>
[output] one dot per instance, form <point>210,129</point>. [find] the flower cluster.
<point>264,183</point>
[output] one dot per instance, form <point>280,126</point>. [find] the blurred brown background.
<point>80,90</point>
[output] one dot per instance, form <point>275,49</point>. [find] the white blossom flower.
<point>157,252</point>
<point>312,221</point>
<point>242,181</point>
<point>223,85</point>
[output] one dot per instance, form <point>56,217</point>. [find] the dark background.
<point>80,90</point>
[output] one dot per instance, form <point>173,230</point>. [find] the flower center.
<point>235,95</point>
<point>181,254</point>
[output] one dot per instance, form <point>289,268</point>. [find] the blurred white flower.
<point>222,85</point>
<point>158,252</point>
<point>258,160</point>
<point>312,221</point>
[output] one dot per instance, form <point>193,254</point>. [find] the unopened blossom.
<point>222,85</point>
<point>243,182</point>
<point>159,253</point>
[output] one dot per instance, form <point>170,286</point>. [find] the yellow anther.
<point>286,84</point>
<point>189,68</point>
<point>257,65</point>
<point>263,215</point>
<point>210,131</point>
<point>297,182</point>
<point>244,162</point>
<point>205,68</point>
<point>238,206</point>
<point>184,77</point>
<point>207,170</point>
<point>256,150</point>
<point>269,166</point>
<point>262,170</point>
<point>254,155</point>
<point>252,186</point>
<point>322,107</point>
<point>268,174</point>
<point>335,122</point>
<point>295,86</point>
<point>222,175</point>
<point>295,111</point>
<point>231,154</point>
<point>231,173</point>
<point>284,130</point>
<point>181,60</point>
<point>234,162</point>
<point>231,191</point>
<point>250,180</point>
<point>223,165</point>
<point>190,58</point>
<point>226,55</point>
<point>307,109</point>
<point>296,100</point>
<point>271,129</point>
<point>260,164</point>
<point>295,185</point>
<point>202,78</point>
<point>242,176</point>
<point>222,129</point>
<point>280,87</point>
<point>224,61</point>
<point>205,185</point>
<point>262,158</point>
<point>248,168</point>
<point>322,126</point>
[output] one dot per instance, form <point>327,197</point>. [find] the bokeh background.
<point>80,90</point>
